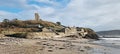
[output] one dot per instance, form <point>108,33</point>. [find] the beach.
<point>12,45</point>
<point>113,44</point>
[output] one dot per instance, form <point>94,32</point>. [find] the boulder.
<point>87,33</point>
<point>91,34</point>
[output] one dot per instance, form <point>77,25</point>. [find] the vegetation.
<point>19,28</point>
<point>59,23</point>
<point>27,26</point>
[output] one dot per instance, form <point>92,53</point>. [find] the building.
<point>37,17</point>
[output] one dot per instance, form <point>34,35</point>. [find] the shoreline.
<point>67,45</point>
<point>11,45</point>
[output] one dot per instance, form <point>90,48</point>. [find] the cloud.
<point>97,14</point>
<point>103,16</point>
<point>13,3</point>
<point>7,15</point>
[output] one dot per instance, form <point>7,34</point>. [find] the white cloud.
<point>104,16</point>
<point>95,14</point>
<point>8,15</point>
<point>53,3</point>
<point>13,3</point>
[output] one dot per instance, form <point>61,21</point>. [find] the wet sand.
<point>11,45</point>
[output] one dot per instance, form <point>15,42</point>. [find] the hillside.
<point>110,33</point>
<point>40,28</point>
<point>28,25</point>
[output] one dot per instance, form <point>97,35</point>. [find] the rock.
<point>87,33</point>
<point>61,48</point>
<point>2,43</point>
<point>2,35</point>
<point>82,50</point>
<point>92,36</point>
<point>50,50</point>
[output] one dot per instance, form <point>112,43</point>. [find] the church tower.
<point>37,17</point>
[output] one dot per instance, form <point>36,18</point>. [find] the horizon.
<point>98,15</point>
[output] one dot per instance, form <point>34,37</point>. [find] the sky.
<point>96,14</point>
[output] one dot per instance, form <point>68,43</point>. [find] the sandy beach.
<point>11,45</point>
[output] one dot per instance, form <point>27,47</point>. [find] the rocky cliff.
<point>20,28</point>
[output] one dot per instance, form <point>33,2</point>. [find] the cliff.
<point>31,29</point>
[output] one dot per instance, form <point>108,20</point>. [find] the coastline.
<point>11,45</point>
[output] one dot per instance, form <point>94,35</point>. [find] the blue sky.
<point>96,14</point>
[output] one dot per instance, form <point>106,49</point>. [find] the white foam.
<point>110,38</point>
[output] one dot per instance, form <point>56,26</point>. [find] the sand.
<point>11,45</point>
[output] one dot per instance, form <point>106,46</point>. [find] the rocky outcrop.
<point>47,33</point>
<point>87,33</point>
<point>32,35</point>
<point>68,32</point>
<point>43,29</point>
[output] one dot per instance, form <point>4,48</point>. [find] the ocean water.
<point>112,44</point>
<point>111,39</point>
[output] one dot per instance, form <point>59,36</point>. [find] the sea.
<point>112,46</point>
